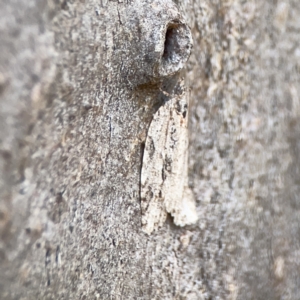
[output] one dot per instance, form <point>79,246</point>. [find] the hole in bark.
<point>172,47</point>
<point>177,48</point>
<point>170,42</point>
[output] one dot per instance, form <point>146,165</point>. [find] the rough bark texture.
<point>80,81</point>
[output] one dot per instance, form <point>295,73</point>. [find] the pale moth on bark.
<point>164,177</point>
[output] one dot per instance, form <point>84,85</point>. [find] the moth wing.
<point>164,176</point>
<point>152,199</point>
<point>179,199</point>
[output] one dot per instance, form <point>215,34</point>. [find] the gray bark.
<point>79,84</point>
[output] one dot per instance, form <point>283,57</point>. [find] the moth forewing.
<point>179,199</point>
<point>152,203</point>
<point>164,181</point>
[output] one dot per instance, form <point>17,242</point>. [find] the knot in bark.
<point>175,48</point>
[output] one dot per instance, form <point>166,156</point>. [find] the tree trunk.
<point>80,83</point>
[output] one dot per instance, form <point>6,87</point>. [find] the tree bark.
<point>80,82</point>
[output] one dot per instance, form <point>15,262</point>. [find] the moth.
<point>164,175</point>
